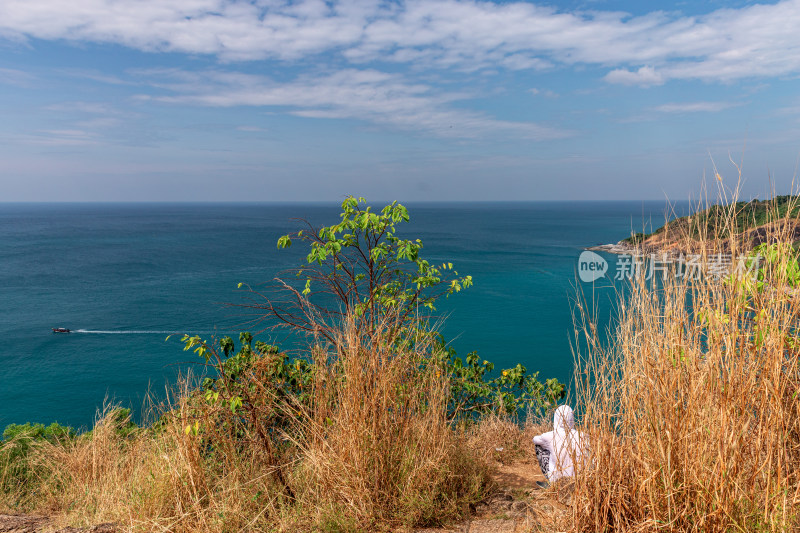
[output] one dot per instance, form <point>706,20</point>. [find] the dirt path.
<point>518,506</point>
<point>41,524</point>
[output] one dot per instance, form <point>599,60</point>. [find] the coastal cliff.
<point>748,224</point>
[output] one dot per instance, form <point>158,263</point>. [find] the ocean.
<point>124,276</point>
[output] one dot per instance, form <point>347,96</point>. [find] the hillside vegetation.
<point>689,407</point>
<point>375,425</point>
<point>752,223</point>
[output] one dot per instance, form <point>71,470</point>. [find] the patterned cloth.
<point>543,456</point>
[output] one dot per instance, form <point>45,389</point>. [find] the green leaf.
<point>236,403</point>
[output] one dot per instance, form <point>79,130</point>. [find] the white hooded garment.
<point>563,443</point>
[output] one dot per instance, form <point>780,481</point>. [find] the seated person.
<point>557,450</point>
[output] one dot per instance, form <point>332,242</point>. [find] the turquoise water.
<point>123,276</point>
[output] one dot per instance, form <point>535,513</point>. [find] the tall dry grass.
<point>691,412</point>
<point>159,478</point>
<point>372,450</point>
<point>377,448</point>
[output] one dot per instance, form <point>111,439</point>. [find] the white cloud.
<point>727,44</point>
<point>235,30</point>
<point>645,77</point>
<point>368,95</point>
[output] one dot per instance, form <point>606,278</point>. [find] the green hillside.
<point>743,216</point>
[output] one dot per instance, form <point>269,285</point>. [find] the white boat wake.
<point>144,332</point>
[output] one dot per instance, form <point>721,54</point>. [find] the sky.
<point>417,100</point>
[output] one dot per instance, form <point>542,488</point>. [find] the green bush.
<point>17,472</point>
<point>473,390</point>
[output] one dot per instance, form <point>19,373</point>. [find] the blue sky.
<point>273,100</point>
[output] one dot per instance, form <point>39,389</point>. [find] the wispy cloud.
<point>368,95</point>
<point>18,78</point>
<point>547,93</point>
<point>677,108</point>
<point>90,108</point>
<point>84,123</point>
<point>66,137</point>
<point>754,41</point>
<point>696,107</point>
<point>95,76</point>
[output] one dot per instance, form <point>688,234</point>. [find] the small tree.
<point>361,266</point>
<point>361,270</point>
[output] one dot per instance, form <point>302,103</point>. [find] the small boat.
<point>61,330</point>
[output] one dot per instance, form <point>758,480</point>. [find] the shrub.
<point>474,393</point>
<point>18,474</point>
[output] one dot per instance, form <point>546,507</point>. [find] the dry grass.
<point>152,480</point>
<point>692,413</point>
<point>371,451</point>
<point>502,438</point>
<point>376,447</point>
